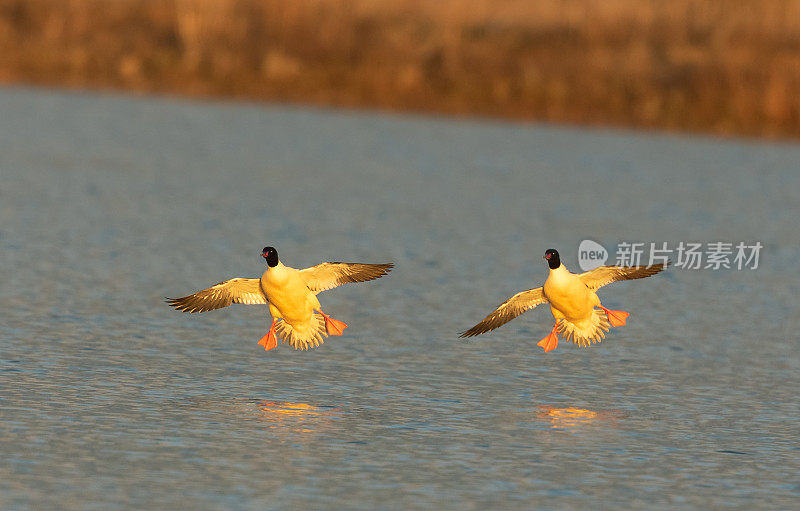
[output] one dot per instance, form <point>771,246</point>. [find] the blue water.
<point>111,400</point>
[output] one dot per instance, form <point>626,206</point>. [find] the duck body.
<point>578,312</point>
<point>572,304</point>
<point>569,297</point>
<point>289,297</point>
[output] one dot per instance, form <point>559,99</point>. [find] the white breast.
<point>568,295</point>
<point>287,291</point>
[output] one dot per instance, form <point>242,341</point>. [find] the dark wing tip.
<point>487,325</point>
<point>379,270</point>
<point>181,304</point>
<point>469,333</point>
<point>365,273</point>
<point>641,272</point>
<point>656,268</point>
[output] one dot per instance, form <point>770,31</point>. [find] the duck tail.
<point>586,332</point>
<point>303,338</point>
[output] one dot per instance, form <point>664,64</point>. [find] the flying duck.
<point>291,295</point>
<point>572,300</point>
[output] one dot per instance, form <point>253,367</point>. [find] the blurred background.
<point>713,66</point>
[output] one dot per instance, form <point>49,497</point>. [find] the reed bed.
<point>719,66</point>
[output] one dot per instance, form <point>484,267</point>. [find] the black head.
<point>553,261</point>
<point>271,255</point>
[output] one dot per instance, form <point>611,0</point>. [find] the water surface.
<point>111,400</point>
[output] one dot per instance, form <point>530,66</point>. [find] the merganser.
<point>291,295</point>
<point>572,300</point>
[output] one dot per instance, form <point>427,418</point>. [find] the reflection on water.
<point>297,417</point>
<point>573,418</point>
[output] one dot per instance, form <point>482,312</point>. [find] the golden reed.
<point>720,66</point>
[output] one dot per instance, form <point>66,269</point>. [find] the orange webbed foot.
<point>550,342</point>
<point>616,318</point>
<point>334,326</point>
<point>270,340</point>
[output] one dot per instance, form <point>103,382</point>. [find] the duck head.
<point>271,256</point>
<point>553,261</point>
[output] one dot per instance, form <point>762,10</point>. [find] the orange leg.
<point>616,318</point>
<point>270,340</point>
<point>334,326</point>
<point>550,342</point>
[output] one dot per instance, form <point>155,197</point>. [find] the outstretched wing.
<point>599,277</point>
<point>236,290</point>
<point>508,310</point>
<point>329,275</point>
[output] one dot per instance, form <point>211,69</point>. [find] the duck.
<point>290,295</point>
<point>579,314</point>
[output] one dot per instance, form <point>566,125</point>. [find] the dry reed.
<point>722,66</point>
